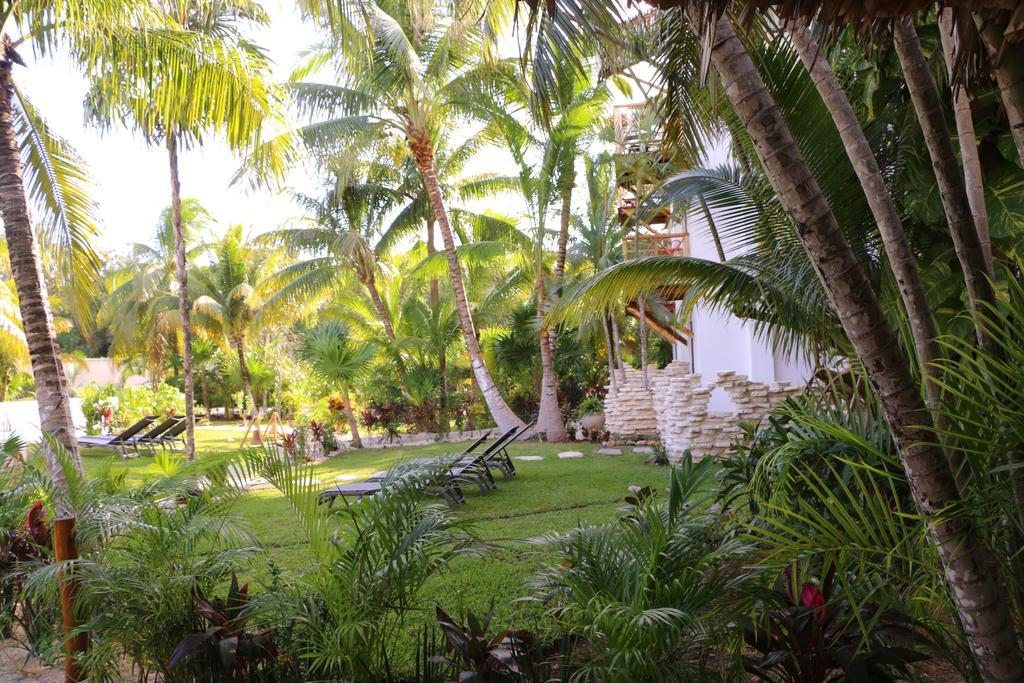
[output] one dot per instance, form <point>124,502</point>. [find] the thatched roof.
<point>847,11</point>
<point>870,18</point>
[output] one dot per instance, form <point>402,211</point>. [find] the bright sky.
<point>132,179</point>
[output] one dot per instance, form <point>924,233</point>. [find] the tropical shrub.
<point>99,403</point>
<point>240,402</point>
<point>809,634</point>
<point>370,561</point>
<point>144,553</point>
<point>659,455</point>
<point>820,485</point>
<point>22,549</point>
<point>386,418</point>
<point>590,405</point>
<point>222,648</point>
<point>475,654</point>
<point>654,594</point>
<point>830,430</point>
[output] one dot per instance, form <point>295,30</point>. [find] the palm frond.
<point>57,182</point>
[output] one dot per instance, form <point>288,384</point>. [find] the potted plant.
<point>591,411</point>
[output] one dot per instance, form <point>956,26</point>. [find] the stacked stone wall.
<point>630,412</point>
<point>677,407</point>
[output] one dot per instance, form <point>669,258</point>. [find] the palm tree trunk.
<point>612,380</point>
<point>243,370</point>
<point>618,349</point>
<point>969,567</point>
<point>37,321</point>
<point>563,242</point>
<point>925,97</point>
<point>470,402</point>
<point>968,141</point>
<point>883,208</point>
<point>184,305</point>
<point>5,383</point>
<point>442,358</point>
<point>389,327</point>
<point>442,388</point>
<point>563,231</point>
<point>205,389</point>
<point>353,426</point>
<point>423,151</point>
<point>712,228</point>
<point>642,319</point>
<point>435,294</point>
<point>382,310</point>
<point>549,415</point>
<point>1008,72</point>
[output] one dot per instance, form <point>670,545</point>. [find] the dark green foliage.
<point>652,595</point>
<point>370,560</point>
<point>808,634</point>
<point>223,649</point>
<point>659,455</point>
<point>480,656</point>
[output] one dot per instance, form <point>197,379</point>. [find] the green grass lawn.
<point>548,495</point>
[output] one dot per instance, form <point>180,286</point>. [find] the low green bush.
<point>108,408</point>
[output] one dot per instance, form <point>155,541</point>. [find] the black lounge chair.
<point>459,460</point>
<point>116,442</point>
<point>466,467</point>
<point>465,470</point>
<point>173,436</point>
<point>151,438</point>
<point>496,454</point>
<point>448,489</point>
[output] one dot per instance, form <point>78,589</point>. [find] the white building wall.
<point>81,373</point>
<point>721,342</point>
<point>735,374</point>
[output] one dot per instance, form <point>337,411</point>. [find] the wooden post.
<point>253,430</point>
<point>273,434</point>
<point>65,548</point>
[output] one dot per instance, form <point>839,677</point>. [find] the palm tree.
<point>599,245</point>
<point>434,327</point>
<point>967,137</point>
<point>338,238</point>
<point>982,604</point>
<point>225,87</point>
<point>450,162</point>
<point>207,362</point>
<point>42,169</point>
<point>952,190</point>
<point>340,360</point>
<point>403,73</point>
<point>568,124</point>
<point>228,300</point>
<point>883,208</point>
<point>141,308</point>
<point>1007,67</point>
<point>969,567</point>
<point>545,182</point>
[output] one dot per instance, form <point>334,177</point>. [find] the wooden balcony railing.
<point>656,244</point>
<point>631,135</point>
